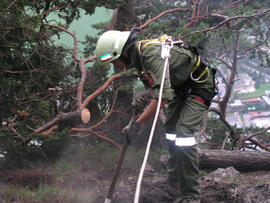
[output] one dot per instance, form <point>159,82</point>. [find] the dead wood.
<point>241,160</point>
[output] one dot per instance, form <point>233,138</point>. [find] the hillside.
<point>77,179</point>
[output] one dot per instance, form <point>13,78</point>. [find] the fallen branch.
<point>59,117</point>
<point>101,89</point>
<point>243,138</point>
<point>96,134</point>
<point>241,160</point>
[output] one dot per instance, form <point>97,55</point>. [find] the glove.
<point>140,100</point>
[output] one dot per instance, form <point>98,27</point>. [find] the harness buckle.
<point>166,45</point>
<point>199,70</point>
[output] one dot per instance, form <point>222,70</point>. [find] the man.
<point>188,90</point>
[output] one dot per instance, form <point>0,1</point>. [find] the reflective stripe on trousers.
<point>181,141</point>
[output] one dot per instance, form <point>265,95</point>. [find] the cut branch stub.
<point>85,115</point>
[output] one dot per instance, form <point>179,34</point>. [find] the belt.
<point>203,94</point>
<point>199,99</point>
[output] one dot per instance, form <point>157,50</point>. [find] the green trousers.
<point>184,120</point>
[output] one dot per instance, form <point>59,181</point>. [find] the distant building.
<point>244,84</point>
<point>266,100</point>
<point>237,105</point>
<point>256,100</point>
<point>262,122</point>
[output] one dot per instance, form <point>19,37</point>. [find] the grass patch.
<point>80,175</point>
<point>258,93</point>
<point>45,194</point>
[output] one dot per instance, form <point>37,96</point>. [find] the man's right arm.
<point>150,111</point>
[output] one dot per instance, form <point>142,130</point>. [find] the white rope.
<point>138,186</point>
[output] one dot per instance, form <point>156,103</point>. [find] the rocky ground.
<point>221,185</point>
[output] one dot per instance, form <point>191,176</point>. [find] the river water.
<point>82,26</point>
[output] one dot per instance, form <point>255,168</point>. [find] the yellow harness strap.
<point>197,64</point>
<point>206,70</point>
<point>146,43</point>
<point>154,41</point>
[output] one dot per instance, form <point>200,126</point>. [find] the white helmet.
<point>110,46</point>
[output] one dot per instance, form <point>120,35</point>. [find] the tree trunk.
<point>241,160</point>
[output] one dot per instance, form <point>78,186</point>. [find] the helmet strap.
<point>129,46</point>
<point>126,55</point>
<point>131,39</point>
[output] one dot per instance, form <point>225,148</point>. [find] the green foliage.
<point>187,35</point>
<point>217,132</point>
<point>226,34</point>
<point>90,46</point>
<point>43,194</point>
<point>155,30</point>
<point>29,64</point>
<point>19,153</point>
<point>43,110</point>
<point>89,5</point>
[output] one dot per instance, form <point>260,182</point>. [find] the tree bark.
<point>241,160</point>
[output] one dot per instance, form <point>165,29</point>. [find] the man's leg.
<point>188,171</point>
<point>173,113</point>
<point>188,126</point>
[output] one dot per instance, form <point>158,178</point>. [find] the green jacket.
<point>181,63</point>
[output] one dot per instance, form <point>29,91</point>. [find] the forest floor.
<point>221,185</point>
<point>83,174</point>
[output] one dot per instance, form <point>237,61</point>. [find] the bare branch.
<point>75,49</point>
<point>192,15</point>
<point>255,46</point>
<point>50,130</point>
<point>258,133</point>
<point>221,59</point>
<point>210,29</point>
<point>261,145</point>
<point>16,133</point>
<point>96,134</point>
<point>226,50</point>
<point>59,117</point>
<point>99,90</point>
<point>243,138</point>
<point>81,65</point>
<point>163,13</point>
<point>58,7</point>
<point>224,141</point>
<point>232,131</point>
<point>204,127</point>
<point>29,71</point>
<point>82,80</point>
<point>108,114</point>
<point>10,4</point>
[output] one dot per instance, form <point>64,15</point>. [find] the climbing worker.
<point>188,91</point>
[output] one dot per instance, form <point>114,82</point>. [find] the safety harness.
<point>198,71</point>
